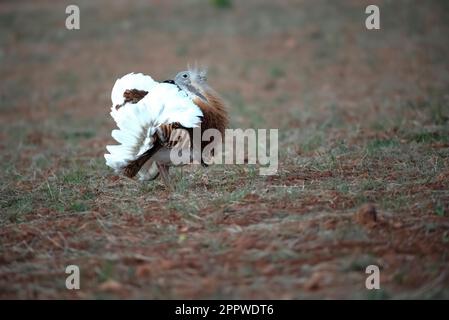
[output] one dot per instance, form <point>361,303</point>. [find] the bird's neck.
<point>214,111</point>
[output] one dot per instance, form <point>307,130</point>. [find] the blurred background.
<point>363,117</point>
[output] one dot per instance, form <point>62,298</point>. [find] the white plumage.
<point>132,80</point>
<point>164,103</point>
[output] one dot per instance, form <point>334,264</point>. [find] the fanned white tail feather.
<point>137,122</point>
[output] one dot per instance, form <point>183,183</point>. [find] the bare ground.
<point>363,118</point>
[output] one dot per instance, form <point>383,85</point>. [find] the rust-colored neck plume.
<point>214,111</point>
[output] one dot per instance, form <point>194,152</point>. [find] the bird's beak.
<point>196,92</point>
<point>169,81</point>
<point>201,96</point>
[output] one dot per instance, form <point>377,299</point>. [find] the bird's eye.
<point>185,76</point>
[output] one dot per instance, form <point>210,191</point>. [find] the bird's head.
<point>193,81</point>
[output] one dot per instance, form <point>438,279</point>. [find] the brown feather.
<point>133,96</point>
<point>215,114</point>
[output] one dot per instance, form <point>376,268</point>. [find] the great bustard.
<point>148,113</point>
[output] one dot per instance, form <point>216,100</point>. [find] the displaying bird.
<point>149,113</point>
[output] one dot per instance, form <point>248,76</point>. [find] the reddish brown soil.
<point>364,152</point>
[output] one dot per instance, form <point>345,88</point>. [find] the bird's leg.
<point>163,170</point>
